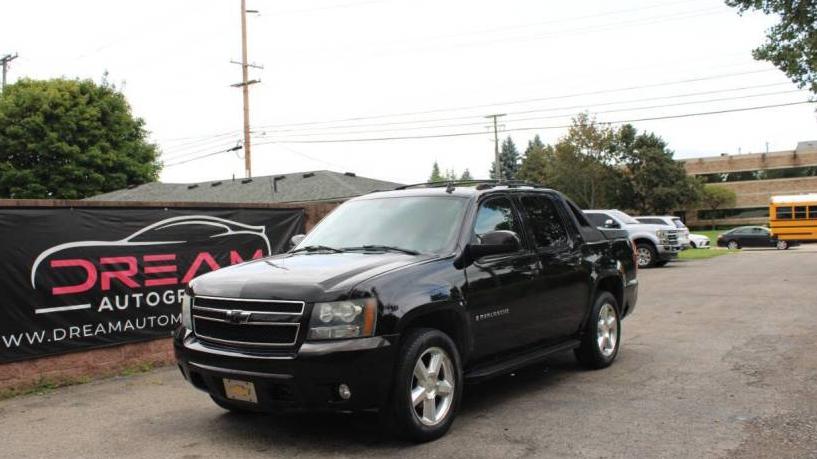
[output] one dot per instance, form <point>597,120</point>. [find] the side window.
<point>783,213</point>
<point>544,221</point>
<point>495,214</point>
<point>760,231</point>
<point>598,219</point>
<point>800,212</point>
<point>812,212</point>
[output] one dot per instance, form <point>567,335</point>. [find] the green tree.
<point>583,163</point>
<point>791,45</point>
<point>653,182</point>
<point>466,175</point>
<point>535,162</point>
<point>436,176</point>
<point>714,197</point>
<point>70,139</point>
<point>508,159</point>
<point>450,174</point>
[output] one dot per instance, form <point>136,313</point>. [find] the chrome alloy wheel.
<point>644,257</point>
<point>432,386</point>
<point>733,245</point>
<point>607,330</point>
<point>782,245</point>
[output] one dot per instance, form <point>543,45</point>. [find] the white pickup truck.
<point>656,244</point>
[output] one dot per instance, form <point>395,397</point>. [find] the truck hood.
<point>647,228</point>
<point>300,276</point>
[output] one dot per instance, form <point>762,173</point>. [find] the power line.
<point>532,128</point>
<point>461,134</point>
<point>235,148</point>
<point>178,155</point>
<point>540,110</point>
<point>525,101</point>
<point>588,107</point>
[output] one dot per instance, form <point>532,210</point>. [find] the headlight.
<point>187,315</point>
<point>662,234</point>
<point>342,319</point>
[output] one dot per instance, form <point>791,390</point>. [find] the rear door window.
<point>544,221</point>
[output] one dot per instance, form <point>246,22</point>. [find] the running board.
<point>489,370</point>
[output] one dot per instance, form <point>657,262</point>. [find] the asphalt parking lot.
<point>718,360</point>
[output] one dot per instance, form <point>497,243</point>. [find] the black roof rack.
<point>479,184</point>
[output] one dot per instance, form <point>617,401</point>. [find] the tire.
<point>661,264</point>
<point>782,245</point>
<point>646,254</point>
<point>692,245</point>
<point>231,407</point>
<point>600,346</point>
<point>418,421</point>
<point>732,245</point>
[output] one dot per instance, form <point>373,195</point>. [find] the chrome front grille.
<point>672,237</point>
<point>247,322</point>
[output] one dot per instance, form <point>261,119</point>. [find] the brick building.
<point>754,178</point>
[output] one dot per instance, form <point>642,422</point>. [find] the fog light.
<point>344,392</point>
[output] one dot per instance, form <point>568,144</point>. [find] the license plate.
<point>240,390</point>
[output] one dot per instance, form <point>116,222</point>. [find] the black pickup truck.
<point>398,298</point>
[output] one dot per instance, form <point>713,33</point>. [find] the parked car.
<point>752,236</point>
<point>656,245</point>
<point>698,241</point>
<point>397,298</point>
<point>669,220</point>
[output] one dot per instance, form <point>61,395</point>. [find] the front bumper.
<point>668,252</point>
<point>303,380</point>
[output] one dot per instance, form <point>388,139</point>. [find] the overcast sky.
<point>440,65</point>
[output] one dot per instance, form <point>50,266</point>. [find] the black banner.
<point>78,278</point>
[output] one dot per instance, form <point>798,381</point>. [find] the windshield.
<point>623,218</point>
<point>678,223</point>
<point>420,223</point>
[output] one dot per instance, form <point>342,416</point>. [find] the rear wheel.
<point>733,245</point>
<point>428,386</point>
<point>782,245</point>
<point>601,339</point>
<point>646,255</point>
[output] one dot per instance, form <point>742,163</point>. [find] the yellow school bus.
<point>794,218</point>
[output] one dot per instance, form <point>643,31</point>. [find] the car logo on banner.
<point>147,258</point>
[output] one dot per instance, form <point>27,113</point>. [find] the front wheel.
<point>428,386</point>
<point>646,255</point>
<point>602,335</point>
<point>733,245</point>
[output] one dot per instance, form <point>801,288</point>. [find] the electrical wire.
<point>461,134</point>
<point>531,128</point>
<point>525,101</point>
<point>540,110</point>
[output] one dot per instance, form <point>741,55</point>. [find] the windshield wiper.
<point>385,248</point>
<point>317,248</point>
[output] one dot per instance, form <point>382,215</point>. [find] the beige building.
<point>754,178</point>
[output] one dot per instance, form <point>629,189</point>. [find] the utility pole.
<point>5,62</point>
<point>245,88</point>
<point>496,145</point>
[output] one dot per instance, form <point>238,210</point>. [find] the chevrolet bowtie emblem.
<point>238,317</point>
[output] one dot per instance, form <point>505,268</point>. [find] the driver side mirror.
<point>297,239</point>
<point>490,243</point>
<point>610,223</point>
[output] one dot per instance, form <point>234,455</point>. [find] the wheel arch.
<point>615,286</point>
<point>449,319</point>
